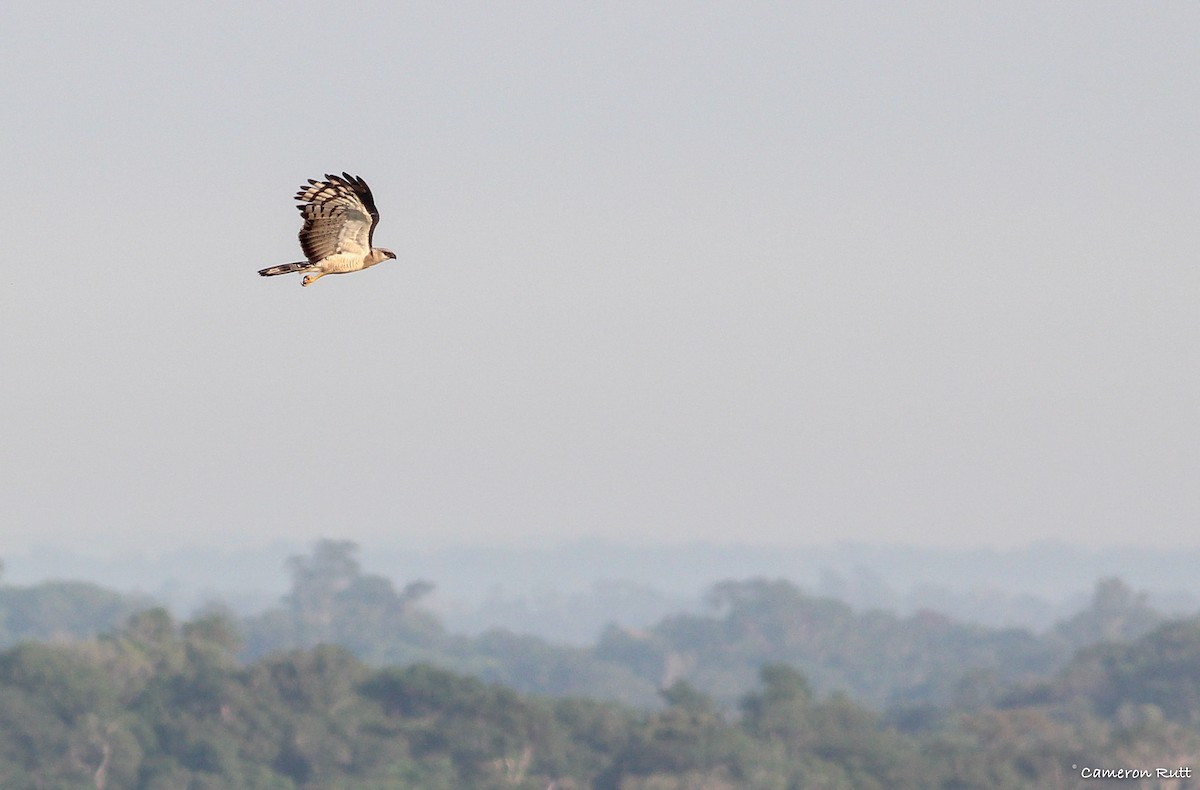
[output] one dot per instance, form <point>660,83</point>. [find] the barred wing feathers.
<point>339,217</point>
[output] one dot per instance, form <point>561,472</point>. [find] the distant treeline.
<point>156,705</point>
<point>877,657</point>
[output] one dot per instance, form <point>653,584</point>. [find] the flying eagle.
<point>339,220</point>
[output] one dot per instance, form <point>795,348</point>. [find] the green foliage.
<point>876,656</point>
<point>295,699</point>
<point>70,684</point>
<point>885,660</point>
<point>780,711</point>
<point>333,601</point>
<point>923,662</point>
<point>685,697</point>
<point>528,663</point>
<point>156,705</point>
<point>59,610</point>
<point>1115,613</point>
<point>1161,669</point>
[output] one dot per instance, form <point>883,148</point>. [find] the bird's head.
<point>379,255</point>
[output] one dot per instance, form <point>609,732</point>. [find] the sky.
<point>765,273</point>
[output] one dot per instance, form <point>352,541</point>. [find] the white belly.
<point>340,264</point>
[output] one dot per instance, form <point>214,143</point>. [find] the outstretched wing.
<point>339,217</point>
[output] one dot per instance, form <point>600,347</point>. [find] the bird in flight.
<point>339,221</point>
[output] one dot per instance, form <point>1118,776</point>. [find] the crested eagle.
<point>339,221</point>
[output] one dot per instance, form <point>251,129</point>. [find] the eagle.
<point>339,221</point>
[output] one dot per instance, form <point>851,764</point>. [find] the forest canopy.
<point>352,682</point>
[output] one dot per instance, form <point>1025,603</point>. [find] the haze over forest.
<point>569,592</point>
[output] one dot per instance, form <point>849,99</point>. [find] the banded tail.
<point>284,268</point>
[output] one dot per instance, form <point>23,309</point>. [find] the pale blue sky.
<point>772,273</point>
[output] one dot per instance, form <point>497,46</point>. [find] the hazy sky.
<point>758,272</point>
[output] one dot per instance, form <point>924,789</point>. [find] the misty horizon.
<point>774,276</point>
<point>568,592</point>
